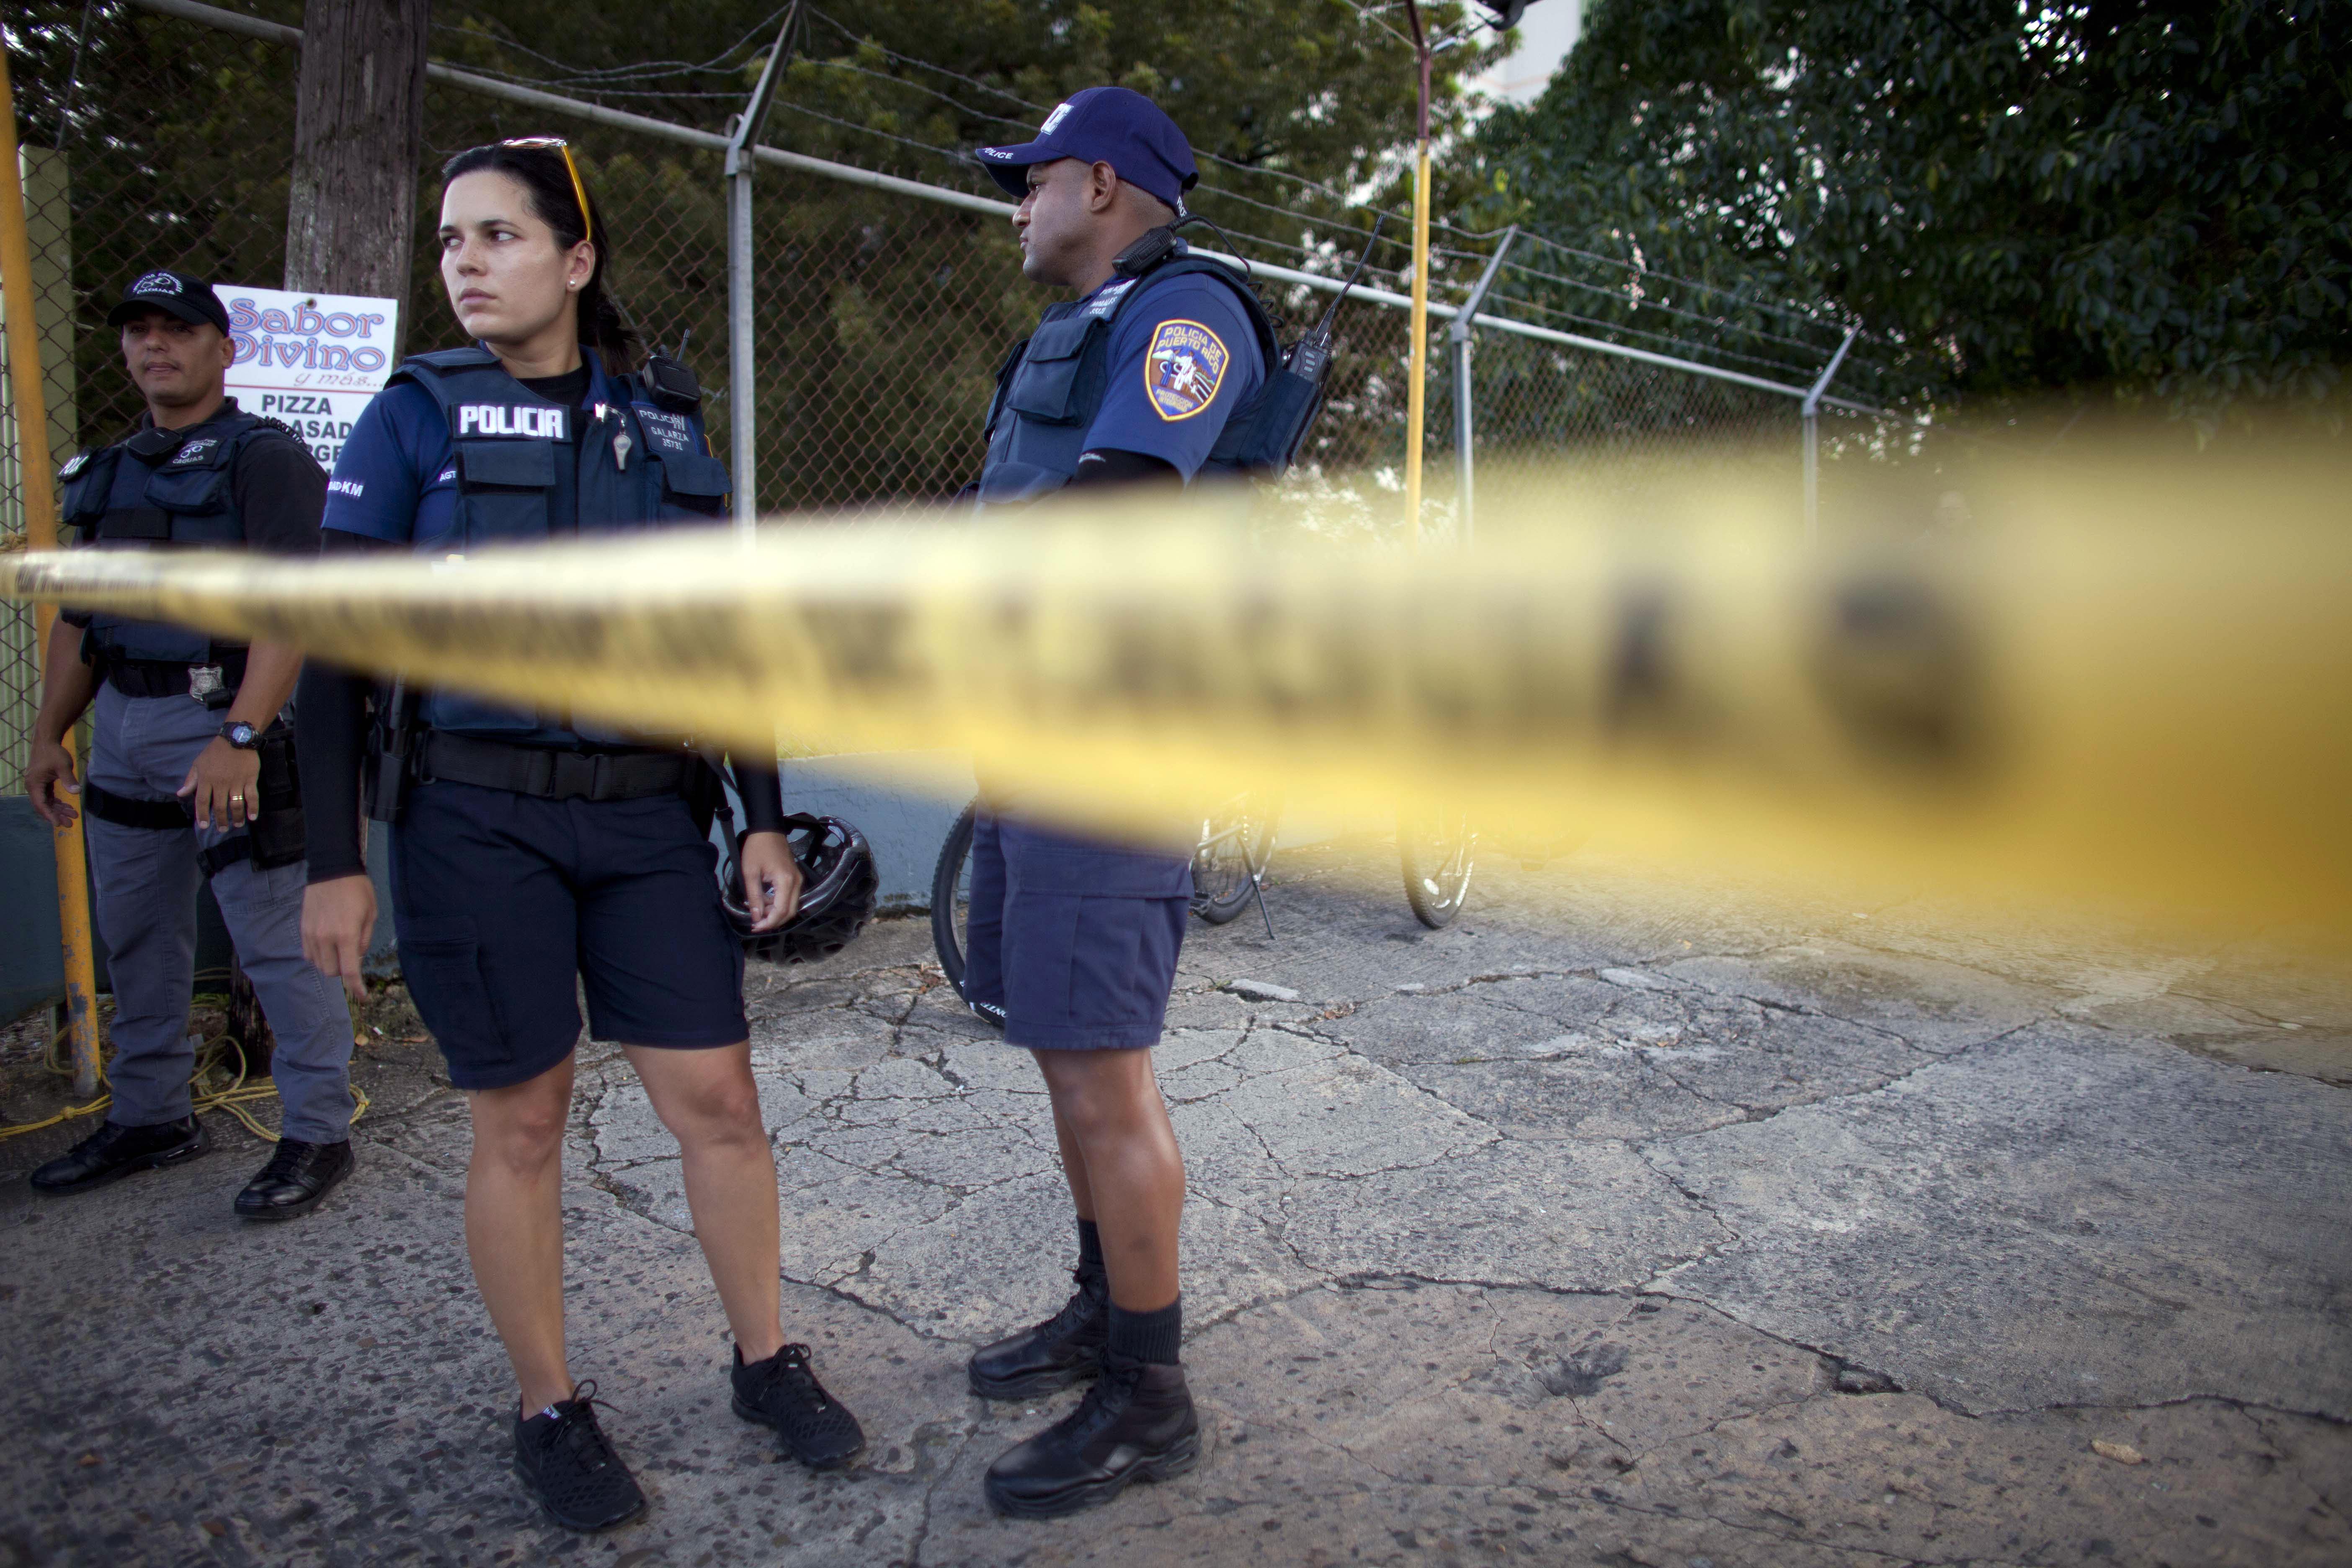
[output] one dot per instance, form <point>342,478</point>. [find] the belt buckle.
<point>204,679</point>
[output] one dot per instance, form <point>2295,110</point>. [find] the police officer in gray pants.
<point>191,766</point>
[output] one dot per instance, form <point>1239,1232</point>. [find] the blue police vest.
<point>635,464</point>
<point>118,500</point>
<point>1052,383</point>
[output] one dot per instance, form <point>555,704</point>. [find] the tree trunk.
<point>358,123</point>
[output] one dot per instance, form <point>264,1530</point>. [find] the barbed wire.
<point>1338,219</point>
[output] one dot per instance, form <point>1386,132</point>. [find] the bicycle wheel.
<point>1438,849</point>
<point>952,896</point>
<point>1236,842</point>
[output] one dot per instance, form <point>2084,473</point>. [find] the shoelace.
<point>792,1368</point>
<point>282,1164</point>
<point>1105,1400</point>
<point>576,1429</point>
<point>1076,1308</point>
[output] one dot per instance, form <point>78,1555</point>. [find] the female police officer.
<point>528,850</point>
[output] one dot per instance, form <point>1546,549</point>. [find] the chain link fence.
<point>158,141</point>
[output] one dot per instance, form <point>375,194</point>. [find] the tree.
<point>359,117</point>
<point>2145,195</point>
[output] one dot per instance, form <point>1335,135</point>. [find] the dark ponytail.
<point>544,176</point>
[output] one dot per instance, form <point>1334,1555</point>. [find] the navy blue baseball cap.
<point>1114,126</point>
<point>174,293</point>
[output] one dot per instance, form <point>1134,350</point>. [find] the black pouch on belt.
<point>277,832</point>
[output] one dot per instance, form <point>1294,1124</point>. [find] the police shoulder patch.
<point>1184,368</point>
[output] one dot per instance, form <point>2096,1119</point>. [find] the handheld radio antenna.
<point>1323,327</point>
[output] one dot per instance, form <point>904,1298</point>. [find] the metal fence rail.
<point>854,349</point>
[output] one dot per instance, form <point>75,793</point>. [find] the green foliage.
<point>2143,195</point>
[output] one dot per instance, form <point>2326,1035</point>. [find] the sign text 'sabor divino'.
<point>312,361</point>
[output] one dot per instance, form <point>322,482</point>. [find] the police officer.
<point>532,853</point>
<point>1153,374</point>
<point>191,771</point>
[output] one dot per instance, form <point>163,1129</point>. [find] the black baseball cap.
<point>1114,126</point>
<point>176,293</point>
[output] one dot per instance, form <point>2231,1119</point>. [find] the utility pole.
<point>359,128</point>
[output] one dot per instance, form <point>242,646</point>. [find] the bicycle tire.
<point>1222,885</point>
<point>1437,852</point>
<point>951,898</point>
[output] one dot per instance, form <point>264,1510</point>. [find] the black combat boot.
<point>1066,1348</point>
<point>114,1152</point>
<point>298,1175</point>
<point>1136,1424</point>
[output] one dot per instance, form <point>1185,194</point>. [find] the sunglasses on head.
<point>540,143</point>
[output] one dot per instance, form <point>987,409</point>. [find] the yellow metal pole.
<point>41,526</point>
<point>1417,399</point>
<point>1417,392</point>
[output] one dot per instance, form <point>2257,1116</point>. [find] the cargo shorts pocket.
<point>441,960</point>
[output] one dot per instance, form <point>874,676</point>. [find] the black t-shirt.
<point>566,390</point>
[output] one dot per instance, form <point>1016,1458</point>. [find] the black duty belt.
<point>145,678</point>
<point>163,816</point>
<point>548,774</point>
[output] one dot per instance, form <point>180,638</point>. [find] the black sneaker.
<point>783,1391</point>
<point>298,1175</point>
<point>567,1464</point>
<point>1136,1424</point>
<point>114,1152</point>
<point>1066,1348</point>
<point>993,1014</point>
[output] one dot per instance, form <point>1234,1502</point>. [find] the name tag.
<point>1104,304</point>
<point>668,432</point>
<point>506,420</point>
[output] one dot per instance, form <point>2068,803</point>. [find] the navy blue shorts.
<point>1075,940</point>
<point>502,901</point>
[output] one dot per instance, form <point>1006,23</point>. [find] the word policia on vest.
<point>2089,689</point>
<point>507,419</point>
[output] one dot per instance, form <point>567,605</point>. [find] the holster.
<point>388,770</point>
<point>705,792</point>
<point>278,834</point>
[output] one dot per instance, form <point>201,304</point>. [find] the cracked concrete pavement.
<point>1622,1223</point>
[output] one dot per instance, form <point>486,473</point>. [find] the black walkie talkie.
<point>1296,395</point>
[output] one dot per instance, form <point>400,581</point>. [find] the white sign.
<point>310,360</point>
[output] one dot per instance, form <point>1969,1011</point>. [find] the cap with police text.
<point>1114,126</point>
<point>190,299</point>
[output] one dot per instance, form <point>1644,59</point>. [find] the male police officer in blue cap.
<point>1153,374</point>
<point>191,766</point>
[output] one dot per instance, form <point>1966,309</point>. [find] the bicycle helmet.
<point>839,886</point>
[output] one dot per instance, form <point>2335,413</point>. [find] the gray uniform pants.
<point>143,747</point>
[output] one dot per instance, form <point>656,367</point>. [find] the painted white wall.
<point>1547,32</point>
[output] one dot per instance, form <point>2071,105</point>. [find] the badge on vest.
<point>506,420</point>
<point>193,453</point>
<point>1105,302</point>
<point>1183,369</point>
<point>669,433</point>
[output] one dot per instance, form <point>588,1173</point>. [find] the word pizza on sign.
<point>309,361</point>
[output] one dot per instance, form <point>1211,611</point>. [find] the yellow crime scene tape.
<point>2122,679</point>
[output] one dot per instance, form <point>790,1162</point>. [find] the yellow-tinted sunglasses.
<point>587,224</point>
